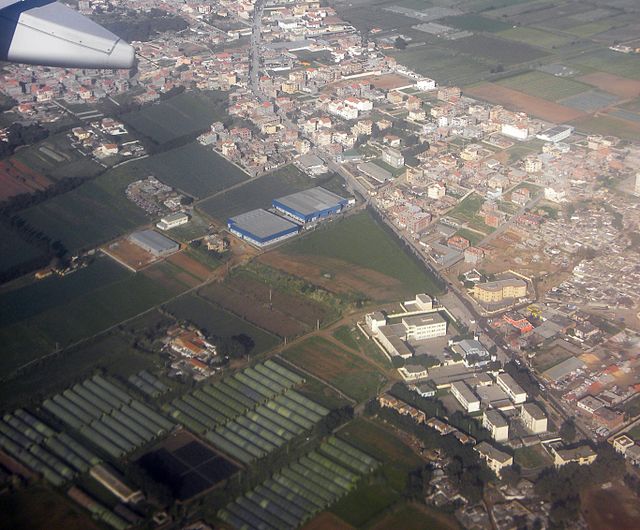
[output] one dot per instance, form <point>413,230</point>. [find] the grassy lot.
<point>416,517</point>
<point>473,237</point>
<point>608,125</point>
<point>467,209</point>
<point>470,22</point>
<point>544,85</point>
<point>535,37</point>
<point>442,64</point>
<point>218,322</point>
<point>531,457</point>
<point>179,116</point>
<point>92,214</point>
<point>609,61</point>
<point>196,228</point>
<point>352,338</point>
<point>497,50</point>
<point>194,169</point>
<point>14,250</point>
<point>321,393</point>
<point>351,374</point>
<point>348,337</point>
<point>258,193</point>
<point>361,241</point>
<point>591,28</point>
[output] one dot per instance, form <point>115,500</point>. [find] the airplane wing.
<point>48,33</point>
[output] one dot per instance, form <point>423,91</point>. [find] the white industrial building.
<point>496,424</point>
<point>513,389</point>
<point>421,327</point>
<point>173,220</point>
<point>533,418</point>
<point>465,396</point>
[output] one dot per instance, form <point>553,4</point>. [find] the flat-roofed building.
<point>392,343</point>
<point>375,172</point>
<point>496,424</point>
<point>499,291</point>
<point>413,372</point>
<point>173,220</point>
<point>513,389</point>
<point>154,243</point>
<point>582,455</point>
<point>308,206</point>
<point>465,396</point>
<point>472,352</point>
<point>261,228</point>
<point>421,327</point>
<point>622,443</point>
<point>590,404</point>
<point>496,460</point>
<point>375,320</point>
<point>533,418</point>
<point>393,157</point>
<point>114,483</point>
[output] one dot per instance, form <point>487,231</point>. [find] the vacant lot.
<point>544,85</point>
<point>467,210</point>
<point>16,178</point>
<point>497,50</point>
<point>351,374</point>
<point>194,169</point>
<point>417,517</point>
<point>258,193</point>
<point>607,124</point>
<point>182,115</point>
<point>218,322</point>
<point>533,105</point>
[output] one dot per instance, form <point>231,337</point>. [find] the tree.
<point>568,430</point>
<point>400,43</point>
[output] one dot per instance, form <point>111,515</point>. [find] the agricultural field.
<point>89,215</point>
<point>609,61</point>
<point>346,371</point>
<point>470,22</point>
<point>416,517</point>
<point>309,485</point>
<point>497,51</point>
<point>186,466</point>
<point>355,255</point>
<point>280,309</point>
<point>607,124</point>
<point>17,178</point>
<point>182,115</point>
<point>258,193</point>
<point>619,86</point>
<point>535,37</point>
<point>14,250</point>
<point>39,324</point>
<point>194,169</point>
<point>216,321</point>
<point>544,85</point>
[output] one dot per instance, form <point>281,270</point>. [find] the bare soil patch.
<point>614,84</point>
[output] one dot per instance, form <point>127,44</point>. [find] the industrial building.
<point>173,220</point>
<point>261,228</point>
<point>465,396</point>
<point>513,389</point>
<point>154,243</point>
<point>496,424</point>
<point>556,134</point>
<point>422,327</point>
<point>310,205</point>
<point>375,172</point>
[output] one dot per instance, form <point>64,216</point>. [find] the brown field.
<point>345,277</point>
<point>16,178</point>
<point>255,312</point>
<point>129,254</point>
<point>513,99</point>
<point>190,265</point>
<point>620,86</point>
<point>388,81</point>
<point>615,507</point>
<point>303,309</point>
<point>327,521</point>
<point>172,278</point>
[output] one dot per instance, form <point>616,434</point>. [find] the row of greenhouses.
<point>251,413</point>
<point>56,456</point>
<point>97,509</point>
<point>107,416</point>
<point>302,489</point>
<point>148,384</point>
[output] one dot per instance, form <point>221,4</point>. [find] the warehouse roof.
<point>310,201</point>
<point>154,240</point>
<point>262,223</point>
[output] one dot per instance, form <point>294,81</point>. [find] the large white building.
<point>421,327</point>
<point>533,418</point>
<point>496,424</point>
<point>173,220</point>
<point>465,396</point>
<point>513,389</point>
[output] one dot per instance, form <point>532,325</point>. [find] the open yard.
<point>355,255</point>
<point>179,116</point>
<point>531,457</point>
<point>351,374</point>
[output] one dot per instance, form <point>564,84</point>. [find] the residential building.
<point>496,424</point>
<point>533,418</point>
<point>495,459</point>
<point>582,455</point>
<point>393,157</point>
<point>501,290</point>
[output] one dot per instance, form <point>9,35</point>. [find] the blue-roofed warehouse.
<point>261,228</point>
<point>310,205</point>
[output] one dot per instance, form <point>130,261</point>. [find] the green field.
<point>218,322</point>
<point>469,22</point>
<point>258,193</point>
<point>625,65</point>
<point>608,125</point>
<point>351,374</point>
<point>89,215</point>
<point>14,250</point>
<point>591,28</point>
<point>64,320</point>
<point>544,85</point>
<point>467,209</point>
<point>194,169</point>
<point>185,114</point>
<point>535,37</point>
<point>531,457</point>
<point>497,51</point>
<point>442,64</point>
<point>360,240</point>
<point>473,237</point>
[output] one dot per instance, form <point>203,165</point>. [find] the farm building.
<point>261,228</point>
<point>154,243</point>
<point>310,205</point>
